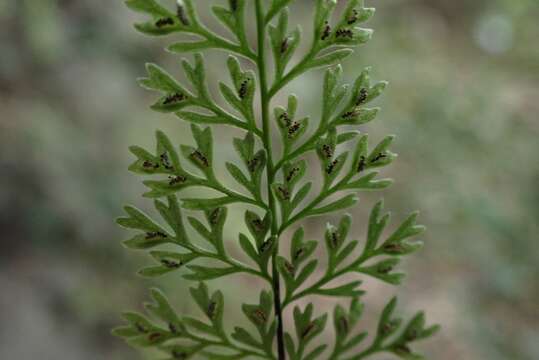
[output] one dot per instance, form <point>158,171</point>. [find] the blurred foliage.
<point>462,100</point>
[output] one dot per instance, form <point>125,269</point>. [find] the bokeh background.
<point>463,100</point>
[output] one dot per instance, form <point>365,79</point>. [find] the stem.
<point>224,342</point>
<point>324,194</point>
<point>226,259</point>
<point>231,120</point>
<point>223,43</point>
<point>266,130</point>
<point>328,277</point>
<point>292,74</point>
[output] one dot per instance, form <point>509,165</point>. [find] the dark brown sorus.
<point>327,31</point>
<point>284,45</point>
<point>352,18</point>
<point>175,180</point>
<point>198,157</point>
<point>171,264</point>
<point>328,151</point>
<point>164,22</point>
<point>214,216</point>
<point>155,234</point>
<point>363,95</point>
<point>331,166</point>
<point>266,245</point>
<point>148,164</point>
<point>292,129</point>
<point>291,174</point>
<point>362,163</point>
<point>344,33</point>
<point>242,92</point>
<point>182,16</point>
<point>174,98</point>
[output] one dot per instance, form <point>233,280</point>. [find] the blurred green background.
<point>463,101</point>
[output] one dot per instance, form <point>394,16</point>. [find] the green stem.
<point>241,267</point>
<point>224,342</point>
<point>324,280</point>
<point>266,130</point>
<point>239,197</point>
<point>311,289</point>
<point>223,43</point>
<point>297,70</point>
<point>324,194</point>
<point>231,120</point>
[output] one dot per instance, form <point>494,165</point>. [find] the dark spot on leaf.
<point>362,163</point>
<point>328,151</point>
<point>233,5</point>
<point>299,252</point>
<point>259,316</point>
<point>153,337</point>
<point>326,32</point>
<point>173,329</point>
<point>244,87</point>
<point>148,164</point>
<point>266,245</point>
<point>182,16</point>
<point>384,269</point>
<point>292,129</point>
<point>331,166</point>
<point>378,157</point>
<point>342,325</point>
<point>334,240</point>
<point>393,249</point>
<point>141,328</point>
<point>258,225</point>
<point>389,327</point>
<point>165,161</point>
<point>200,158</point>
<point>290,269</point>
<point>291,174</point>
<point>284,45</point>
<point>175,180</point>
<point>308,330</point>
<point>212,307</point>
<point>171,264</point>
<point>174,98</point>
<point>155,234</point>
<point>344,33</point>
<point>283,193</point>
<point>352,18</point>
<point>252,164</point>
<point>164,22</point>
<point>215,214</point>
<point>285,119</point>
<point>363,94</point>
<point>349,115</point>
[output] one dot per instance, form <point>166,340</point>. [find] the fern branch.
<point>265,99</point>
<point>275,210</point>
